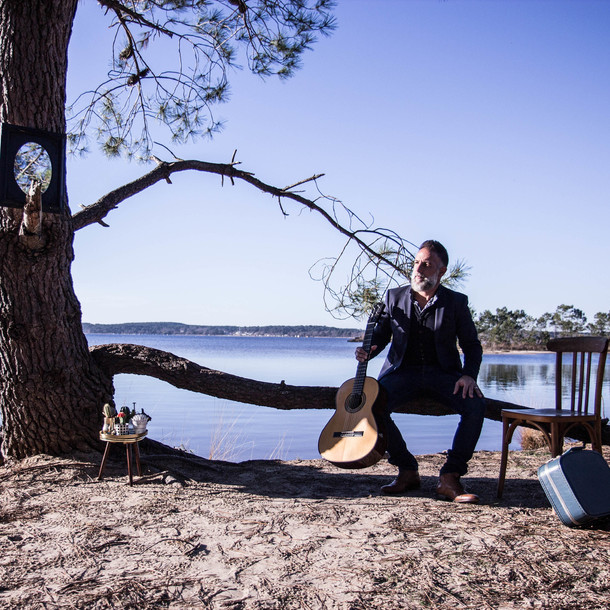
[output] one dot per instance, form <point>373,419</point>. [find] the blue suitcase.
<point>577,485</point>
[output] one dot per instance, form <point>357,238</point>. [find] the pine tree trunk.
<point>51,391</point>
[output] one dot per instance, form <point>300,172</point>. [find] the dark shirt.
<point>421,350</point>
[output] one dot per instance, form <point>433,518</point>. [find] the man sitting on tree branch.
<point>423,321</point>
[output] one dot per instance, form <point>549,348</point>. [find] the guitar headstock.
<point>376,313</point>
<point>368,335</point>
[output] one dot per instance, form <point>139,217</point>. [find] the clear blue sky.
<point>483,124</point>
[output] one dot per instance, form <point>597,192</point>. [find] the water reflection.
<point>529,377</point>
<point>507,376</point>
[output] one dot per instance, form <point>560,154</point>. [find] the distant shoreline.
<point>493,352</point>
<point>353,335</point>
<point>178,329</point>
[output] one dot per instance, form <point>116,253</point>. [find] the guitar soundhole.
<point>354,402</point>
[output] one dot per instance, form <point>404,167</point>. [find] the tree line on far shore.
<point>503,330</point>
<point>507,329</point>
<point>175,328</point>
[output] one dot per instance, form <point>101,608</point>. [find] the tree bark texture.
<point>140,360</point>
<point>51,391</point>
<point>34,39</point>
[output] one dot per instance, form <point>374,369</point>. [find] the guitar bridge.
<point>348,434</point>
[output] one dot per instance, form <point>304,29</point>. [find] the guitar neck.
<point>362,366</point>
<point>359,378</point>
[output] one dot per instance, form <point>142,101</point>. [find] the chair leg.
<point>556,440</point>
<point>596,437</point>
<point>504,458</point>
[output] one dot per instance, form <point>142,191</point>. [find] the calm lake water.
<point>234,431</point>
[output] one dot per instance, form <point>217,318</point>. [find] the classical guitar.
<point>354,437</point>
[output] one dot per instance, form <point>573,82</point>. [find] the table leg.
<point>128,449</point>
<point>99,476</point>
<point>137,452</point>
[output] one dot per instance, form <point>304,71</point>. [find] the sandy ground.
<point>302,534</point>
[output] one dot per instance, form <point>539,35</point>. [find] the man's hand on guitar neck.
<point>362,355</point>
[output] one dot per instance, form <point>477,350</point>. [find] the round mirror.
<point>32,164</point>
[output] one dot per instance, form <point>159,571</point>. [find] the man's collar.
<point>430,302</point>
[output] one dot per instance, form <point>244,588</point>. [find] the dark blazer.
<point>452,323</point>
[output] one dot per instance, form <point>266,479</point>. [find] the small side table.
<point>129,440</point>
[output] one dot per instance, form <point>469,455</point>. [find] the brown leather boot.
<point>450,488</point>
<point>406,480</point>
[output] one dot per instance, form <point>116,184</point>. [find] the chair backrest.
<point>583,350</point>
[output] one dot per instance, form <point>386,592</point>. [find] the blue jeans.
<point>411,381</point>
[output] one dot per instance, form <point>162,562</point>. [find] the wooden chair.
<point>555,423</point>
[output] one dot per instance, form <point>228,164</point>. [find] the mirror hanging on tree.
<point>31,156</point>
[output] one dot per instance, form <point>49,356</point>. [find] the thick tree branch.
<point>95,212</point>
<point>140,360</point>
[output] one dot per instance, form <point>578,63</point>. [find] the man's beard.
<point>419,283</point>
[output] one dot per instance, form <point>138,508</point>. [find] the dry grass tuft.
<point>531,439</point>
